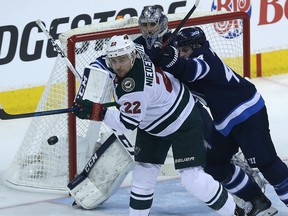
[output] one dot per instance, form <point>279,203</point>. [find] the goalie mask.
<point>153,24</point>
<point>192,36</point>
<point>119,46</point>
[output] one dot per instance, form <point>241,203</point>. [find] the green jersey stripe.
<point>129,123</point>
<point>184,100</point>
<point>166,113</point>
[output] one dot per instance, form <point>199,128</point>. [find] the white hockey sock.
<point>143,183</point>
<point>205,188</point>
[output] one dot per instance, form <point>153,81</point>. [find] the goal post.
<point>38,166</point>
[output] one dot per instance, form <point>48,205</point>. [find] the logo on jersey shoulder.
<point>128,84</point>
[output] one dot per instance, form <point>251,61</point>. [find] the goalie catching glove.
<point>86,109</point>
<point>164,58</point>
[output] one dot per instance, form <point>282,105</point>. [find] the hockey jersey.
<point>149,98</point>
<point>231,98</point>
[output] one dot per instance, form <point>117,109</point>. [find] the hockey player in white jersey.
<point>163,110</point>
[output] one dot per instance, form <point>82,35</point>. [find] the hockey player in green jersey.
<point>164,112</point>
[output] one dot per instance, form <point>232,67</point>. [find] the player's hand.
<point>88,110</point>
<point>164,58</point>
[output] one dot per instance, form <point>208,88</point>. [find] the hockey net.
<point>39,166</point>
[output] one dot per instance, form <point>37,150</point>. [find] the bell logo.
<point>231,28</point>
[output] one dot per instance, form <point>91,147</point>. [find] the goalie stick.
<point>59,50</point>
<point>7,116</point>
<point>172,36</point>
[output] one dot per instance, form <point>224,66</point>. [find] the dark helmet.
<point>191,36</point>
<point>153,14</point>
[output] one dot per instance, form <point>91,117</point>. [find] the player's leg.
<point>189,156</point>
<point>212,193</point>
<point>218,164</point>
<point>257,146</point>
<point>150,152</point>
<point>232,177</point>
<point>144,180</point>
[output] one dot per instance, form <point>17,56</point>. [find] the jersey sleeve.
<point>190,69</point>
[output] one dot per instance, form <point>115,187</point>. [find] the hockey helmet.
<point>154,17</point>
<point>191,36</point>
<point>120,45</point>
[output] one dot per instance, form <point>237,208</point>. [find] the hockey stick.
<point>6,116</point>
<point>172,36</point>
<point>92,161</point>
<point>58,49</point>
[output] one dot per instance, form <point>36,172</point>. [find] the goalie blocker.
<point>112,161</point>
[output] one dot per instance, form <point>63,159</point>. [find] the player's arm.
<point>188,70</point>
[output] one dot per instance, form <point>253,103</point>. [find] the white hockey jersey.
<point>149,98</point>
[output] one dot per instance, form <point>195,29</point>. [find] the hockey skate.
<point>260,206</point>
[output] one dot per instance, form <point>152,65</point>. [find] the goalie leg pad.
<point>105,177</point>
<point>87,195</point>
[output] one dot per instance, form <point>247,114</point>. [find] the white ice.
<point>170,198</point>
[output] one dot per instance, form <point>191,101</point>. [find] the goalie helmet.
<point>120,45</point>
<point>192,36</point>
<point>153,24</point>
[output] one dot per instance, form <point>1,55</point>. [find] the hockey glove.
<point>164,58</point>
<point>88,110</point>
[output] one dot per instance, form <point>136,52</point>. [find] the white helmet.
<point>120,45</point>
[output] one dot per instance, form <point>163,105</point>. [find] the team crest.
<point>128,84</point>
